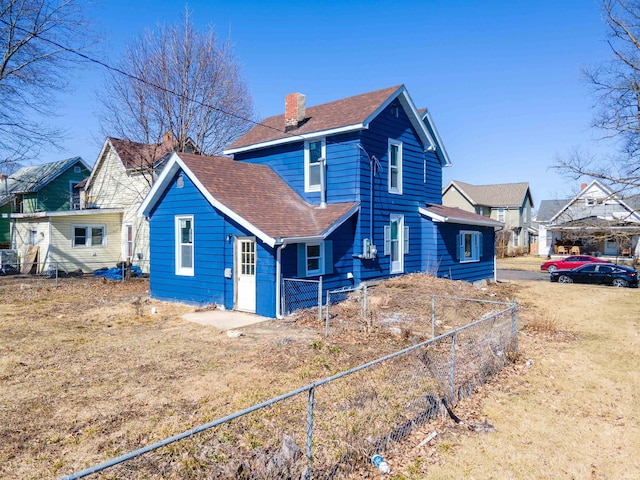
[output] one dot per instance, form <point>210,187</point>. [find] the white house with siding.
<point>104,228</point>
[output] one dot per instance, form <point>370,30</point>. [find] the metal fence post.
<point>320,300</point>
<point>364,304</point>
<point>326,321</point>
<point>56,263</point>
<point>452,373</point>
<point>514,321</point>
<point>309,430</point>
<point>433,316</point>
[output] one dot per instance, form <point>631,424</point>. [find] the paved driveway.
<point>506,275</point>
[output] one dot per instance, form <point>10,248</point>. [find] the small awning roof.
<point>443,214</point>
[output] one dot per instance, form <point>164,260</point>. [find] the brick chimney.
<point>583,186</point>
<point>294,105</point>
<point>167,137</point>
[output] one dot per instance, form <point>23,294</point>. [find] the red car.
<point>568,263</point>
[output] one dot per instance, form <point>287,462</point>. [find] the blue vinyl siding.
<point>213,252</point>
<point>450,266</point>
<point>342,167</point>
<point>343,261</point>
<point>357,171</point>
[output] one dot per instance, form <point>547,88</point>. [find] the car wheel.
<point>551,268</point>
<point>565,279</point>
<point>619,282</point>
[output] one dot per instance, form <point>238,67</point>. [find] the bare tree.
<point>616,85</point>
<point>181,81</point>
<point>38,39</point>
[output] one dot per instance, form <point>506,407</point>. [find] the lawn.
<point>87,372</point>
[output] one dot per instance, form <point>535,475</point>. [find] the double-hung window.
<point>469,246</point>
<point>394,155</point>
<point>314,152</point>
<point>501,215</point>
<point>128,241</point>
<point>315,258</point>
<point>87,235</point>
<point>184,245</point>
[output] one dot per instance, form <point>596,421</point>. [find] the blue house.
<point>348,191</point>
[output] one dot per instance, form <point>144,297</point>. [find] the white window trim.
<point>475,246</point>
<point>125,243</point>
<point>180,270</point>
<point>502,213</point>
<point>88,236</point>
<point>307,165</point>
<point>394,190</point>
<point>403,241</point>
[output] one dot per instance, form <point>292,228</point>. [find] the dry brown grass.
<point>567,409</point>
<point>87,373</point>
<point>530,263</point>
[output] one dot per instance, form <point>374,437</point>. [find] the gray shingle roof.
<point>548,208</point>
<point>496,195</point>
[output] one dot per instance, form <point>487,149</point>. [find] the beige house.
<point>68,240</point>
<point>103,228</point>
<point>510,203</point>
<point>121,178</point>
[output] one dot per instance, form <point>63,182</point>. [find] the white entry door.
<point>246,274</point>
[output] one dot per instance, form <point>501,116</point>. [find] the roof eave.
<point>174,164</point>
<point>459,220</point>
<point>296,138</point>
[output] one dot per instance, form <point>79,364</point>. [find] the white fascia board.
<point>412,112</point>
<point>175,164</point>
<point>297,138</point>
<point>348,214</point>
<point>65,213</point>
<point>96,165</point>
<point>291,240</point>
<point>446,161</point>
<point>318,238</point>
<point>464,221</point>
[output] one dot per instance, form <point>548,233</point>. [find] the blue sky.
<point>501,78</point>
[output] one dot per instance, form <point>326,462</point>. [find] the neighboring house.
<point>29,195</point>
<point>597,221</point>
<point>346,192</point>
<point>509,203</point>
<point>121,178</point>
<point>103,228</point>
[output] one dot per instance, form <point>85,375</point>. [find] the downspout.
<point>278,279</point>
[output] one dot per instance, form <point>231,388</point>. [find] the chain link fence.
<point>55,271</point>
<point>368,307</point>
<point>301,294</point>
<point>331,428</point>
